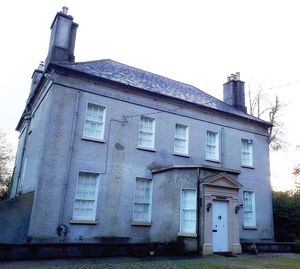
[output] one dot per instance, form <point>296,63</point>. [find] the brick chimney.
<point>62,41</point>
<point>234,92</point>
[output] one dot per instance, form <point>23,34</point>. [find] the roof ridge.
<point>83,62</point>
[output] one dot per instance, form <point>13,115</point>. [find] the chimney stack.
<point>36,76</point>
<point>234,92</point>
<point>62,41</point>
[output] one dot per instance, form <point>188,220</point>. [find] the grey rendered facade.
<point>54,152</point>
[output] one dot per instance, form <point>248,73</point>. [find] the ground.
<point>244,261</point>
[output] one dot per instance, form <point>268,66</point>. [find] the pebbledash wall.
<point>53,151</point>
<point>67,154</point>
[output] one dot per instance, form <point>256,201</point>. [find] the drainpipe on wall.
<point>222,147</point>
<point>67,178</point>
<point>63,200</point>
<point>198,211</point>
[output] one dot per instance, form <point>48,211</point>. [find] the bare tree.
<point>6,160</point>
<point>263,107</point>
<point>296,173</point>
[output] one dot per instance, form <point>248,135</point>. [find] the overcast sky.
<point>196,42</point>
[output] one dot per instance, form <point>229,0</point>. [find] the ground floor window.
<point>188,211</point>
<point>85,203</point>
<point>142,200</point>
<point>249,209</point>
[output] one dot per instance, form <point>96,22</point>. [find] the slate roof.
<point>127,75</point>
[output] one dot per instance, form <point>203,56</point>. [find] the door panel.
<point>220,226</point>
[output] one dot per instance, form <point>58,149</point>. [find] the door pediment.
<point>223,180</point>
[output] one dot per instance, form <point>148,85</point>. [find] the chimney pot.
<point>65,10</point>
<point>41,66</point>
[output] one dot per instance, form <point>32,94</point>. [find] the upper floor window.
<point>94,121</point>
<point>86,194</point>
<point>142,200</point>
<point>181,139</point>
<point>246,152</point>
<point>249,209</point>
<point>146,132</point>
<point>188,211</point>
<point>212,146</point>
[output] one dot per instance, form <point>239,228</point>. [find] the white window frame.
<point>182,230</point>
<point>148,219</point>
<point>185,139</point>
<point>252,211</point>
<point>95,200</point>
<point>216,157</point>
<point>250,152</point>
<point>143,132</point>
<point>85,132</point>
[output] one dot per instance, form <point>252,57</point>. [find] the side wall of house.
<point>32,141</point>
<point>119,162</point>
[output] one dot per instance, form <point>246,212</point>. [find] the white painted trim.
<point>253,198</point>
<point>150,203</point>
<point>181,209</point>
<point>100,139</point>
<point>152,147</point>
<point>186,153</point>
<point>187,234</point>
<point>248,165</point>
<point>96,197</point>
<point>218,147</point>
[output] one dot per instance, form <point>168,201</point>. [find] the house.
<point>111,151</point>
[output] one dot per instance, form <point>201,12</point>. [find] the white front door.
<point>220,226</point>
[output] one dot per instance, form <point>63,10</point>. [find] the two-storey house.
<point>112,151</point>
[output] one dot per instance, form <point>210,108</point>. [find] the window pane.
<point>212,145</point>
<point>249,208</point>
<point>142,200</point>
<point>85,196</point>
<point>181,139</point>
<point>146,132</point>
<point>94,121</point>
<point>188,211</point>
<point>189,221</point>
<point>246,152</point>
<point>141,212</point>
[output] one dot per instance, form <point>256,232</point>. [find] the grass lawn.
<point>260,261</point>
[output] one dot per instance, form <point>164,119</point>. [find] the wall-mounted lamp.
<point>237,208</point>
<point>208,207</point>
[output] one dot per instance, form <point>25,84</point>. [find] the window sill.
<point>93,139</point>
<point>88,222</point>
<point>141,223</point>
<point>250,227</point>
<point>186,234</point>
<point>247,166</point>
<point>181,155</point>
<point>146,149</point>
<point>212,160</point>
